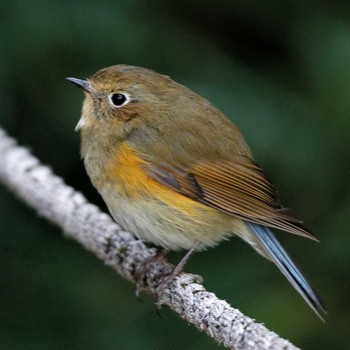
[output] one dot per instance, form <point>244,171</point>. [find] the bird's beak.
<point>83,84</point>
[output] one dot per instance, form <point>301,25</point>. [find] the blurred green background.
<point>279,69</point>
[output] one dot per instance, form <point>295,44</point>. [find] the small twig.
<point>46,193</point>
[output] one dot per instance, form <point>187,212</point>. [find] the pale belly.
<point>171,228</point>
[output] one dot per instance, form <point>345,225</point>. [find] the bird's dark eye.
<point>119,99</point>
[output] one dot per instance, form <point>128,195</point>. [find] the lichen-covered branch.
<point>49,196</point>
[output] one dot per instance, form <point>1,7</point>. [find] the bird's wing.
<point>237,187</point>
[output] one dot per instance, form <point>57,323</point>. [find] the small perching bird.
<point>176,172</point>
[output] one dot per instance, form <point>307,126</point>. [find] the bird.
<point>176,172</point>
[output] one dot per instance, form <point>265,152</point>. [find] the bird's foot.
<point>140,275</point>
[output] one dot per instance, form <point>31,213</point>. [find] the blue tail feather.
<point>279,256</point>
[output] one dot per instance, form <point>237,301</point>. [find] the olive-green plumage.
<point>175,171</point>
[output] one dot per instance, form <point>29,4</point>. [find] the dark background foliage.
<point>279,69</point>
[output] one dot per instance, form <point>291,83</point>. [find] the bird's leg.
<point>175,272</point>
<point>166,278</point>
<point>180,266</point>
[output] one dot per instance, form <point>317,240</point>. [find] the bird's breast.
<point>153,211</point>
<point>124,174</point>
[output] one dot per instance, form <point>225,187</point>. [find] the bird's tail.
<point>274,250</point>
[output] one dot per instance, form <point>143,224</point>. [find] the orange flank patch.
<point>125,172</point>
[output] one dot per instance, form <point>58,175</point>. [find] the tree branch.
<point>37,186</point>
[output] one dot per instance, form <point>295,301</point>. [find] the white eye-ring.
<point>119,99</point>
